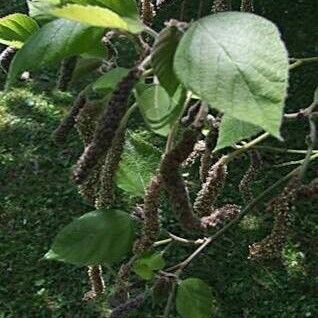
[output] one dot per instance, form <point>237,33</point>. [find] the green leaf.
<point>84,67</point>
<point>139,163</point>
<point>233,130</point>
<point>55,41</point>
<point>97,16</point>
<point>16,28</point>
<point>99,237</point>
<point>163,57</point>
<point>194,299</point>
<point>159,109</point>
<point>238,64</point>
<point>109,81</point>
<point>147,265</point>
<point>38,9</point>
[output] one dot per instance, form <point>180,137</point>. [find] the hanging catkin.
<point>107,127</point>
<point>95,274</point>
<point>281,206</point>
<point>221,6</point>
<point>247,6</point>
<point>66,73</point>
<point>245,185</point>
<point>147,12</point>
<point>151,222</point>
<point>310,190</point>
<point>61,133</point>
<point>109,169</point>
<point>211,189</point>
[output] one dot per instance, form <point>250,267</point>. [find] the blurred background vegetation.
<point>37,199</point>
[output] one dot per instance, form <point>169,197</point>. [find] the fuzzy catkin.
<point>61,133</point>
<point>198,150</point>
<point>250,175</point>
<point>220,216</point>
<point>122,284</point>
<point>66,73</point>
<point>221,6</point>
<point>211,189</point>
<point>107,127</point>
<point>247,6</point>
<point>147,12</point>
<point>108,172</point>
<point>206,159</point>
<point>96,281</point>
<point>6,57</point>
<point>273,244</point>
<point>173,181</point>
<point>309,191</point>
<point>151,222</point>
<point>125,309</point>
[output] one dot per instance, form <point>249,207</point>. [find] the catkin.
<point>66,73</point>
<point>173,181</point>
<point>198,151</point>
<point>125,309</point>
<point>220,216</point>
<point>247,6</point>
<point>109,169</point>
<point>95,274</point>
<point>273,244</point>
<point>122,284</point>
<point>151,222</point>
<point>107,127</point>
<point>147,12</point>
<point>6,57</point>
<point>221,6</point>
<point>310,190</point>
<point>61,133</point>
<point>250,175</point>
<point>211,189</point>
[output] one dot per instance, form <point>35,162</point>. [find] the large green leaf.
<point>39,9</point>
<point>16,28</point>
<point>163,56</point>
<point>237,62</point>
<point>159,109</point>
<point>139,163</point>
<point>53,42</point>
<point>147,265</point>
<point>109,81</point>
<point>97,16</point>
<point>194,299</point>
<point>233,130</point>
<point>99,237</point>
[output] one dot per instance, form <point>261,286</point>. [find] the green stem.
<point>301,61</point>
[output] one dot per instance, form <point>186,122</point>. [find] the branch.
<point>301,61</point>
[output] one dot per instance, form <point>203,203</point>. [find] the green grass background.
<point>37,199</point>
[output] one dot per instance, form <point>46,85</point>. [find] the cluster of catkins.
<point>281,206</point>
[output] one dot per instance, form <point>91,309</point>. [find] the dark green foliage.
<point>125,309</point>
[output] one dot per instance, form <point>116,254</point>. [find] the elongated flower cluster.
<point>147,12</point>
<point>210,143</point>
<point>198,151</point>
<point>221,6</point>
<point>211,189</point>
<point>6,57</point>
<point>247,6</point>
<point>107,127</point>
<point>250,175</point>
<point>122,284</point>
<point>191,114</point>
<point>105,195</point>
<point>151,222</point>
<point>66,73</point>
<point>221,216</point>
<point>173,180</point>
<point>274,243</point>
<point>125,309</point>
<point>61,133</point>
<point>97,282</point>
<point>162,287</point>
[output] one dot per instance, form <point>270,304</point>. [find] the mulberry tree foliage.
<point>162,130</point>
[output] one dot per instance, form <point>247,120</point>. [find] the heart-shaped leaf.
<point>99,237</point>
<point>233,130</point>
<point>194,299</point>
<point>16,28</point>
<point>55,41</point>
<point>238,64</point>
<point>147,265</point>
